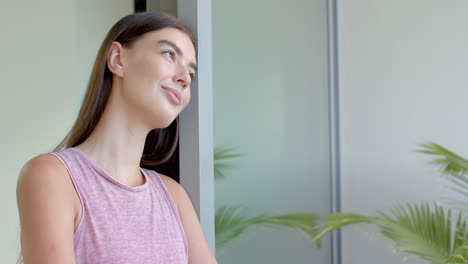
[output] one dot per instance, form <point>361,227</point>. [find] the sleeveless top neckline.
<point>108,177</point>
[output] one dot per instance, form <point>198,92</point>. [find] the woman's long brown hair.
<point>160,143</point>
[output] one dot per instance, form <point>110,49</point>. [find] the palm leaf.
<point>450,163</point>
<point>452,166</point>
<point>337,221</point>
<point>416,229</point>
<point>460,255</point>
<point>304,222</point>
<point>221,156</point>
<point>230,223</point>
<point>461,231</point>
<point>420,230</point>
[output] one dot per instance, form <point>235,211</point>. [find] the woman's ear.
<point>114,59</point>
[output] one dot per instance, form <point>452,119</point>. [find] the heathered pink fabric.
<point>123,224</point>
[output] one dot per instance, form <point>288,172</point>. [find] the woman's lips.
<point>173,94</point>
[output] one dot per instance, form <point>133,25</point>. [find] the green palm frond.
<point>460,255</point>
<point>304,222</point>
<point>339,220</point>
<point>421,230</point>
<point>461,231</point>
<point>450,163</point>
<point>454,167</point>
<point>230,223</point>
<point>221,156</point>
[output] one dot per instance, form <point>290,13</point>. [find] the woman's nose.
<point>182,77</point>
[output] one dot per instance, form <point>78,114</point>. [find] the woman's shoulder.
<point>47,209</point>
<point>169,182</point>
<point>177,192</point>
<point>43,175</point>
<point>173,187</point>
<point>45,165</point>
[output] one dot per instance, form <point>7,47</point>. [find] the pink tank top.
<point>123,224</point>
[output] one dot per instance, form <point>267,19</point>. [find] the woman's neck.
<point>117,143</point>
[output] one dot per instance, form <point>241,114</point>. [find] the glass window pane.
<point>270,85</point>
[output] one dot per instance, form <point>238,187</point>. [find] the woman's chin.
<point>164,122</point>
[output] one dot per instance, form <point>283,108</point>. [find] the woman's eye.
<point>192,75</point>
<point>169,54</point>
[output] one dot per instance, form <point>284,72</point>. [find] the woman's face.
<point>157,71</point>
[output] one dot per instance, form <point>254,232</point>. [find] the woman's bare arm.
<point>199,252</point>
<point>45,196</point>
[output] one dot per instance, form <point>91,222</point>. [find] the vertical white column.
<point>196,121</point>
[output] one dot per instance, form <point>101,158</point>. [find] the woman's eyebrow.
<point>178,51</point>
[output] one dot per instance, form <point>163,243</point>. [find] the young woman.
<point>91,201</point>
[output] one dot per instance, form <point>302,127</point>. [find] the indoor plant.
<point>431,231</point>
<point>230,220</point>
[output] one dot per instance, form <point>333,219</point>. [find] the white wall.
<point>403,68</point>
<point>47,51</point>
